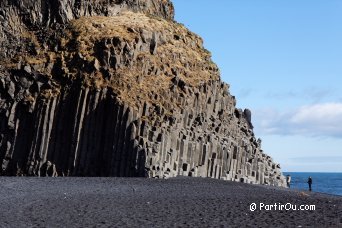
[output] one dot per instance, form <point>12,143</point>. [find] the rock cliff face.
<point>117,88</point>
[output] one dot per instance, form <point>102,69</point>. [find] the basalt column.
<point>117,88</point>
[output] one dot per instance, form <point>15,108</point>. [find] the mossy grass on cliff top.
<point>145,53</point>
<point>142,73</point>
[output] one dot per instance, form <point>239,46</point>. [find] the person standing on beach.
<point>288,180</point>
<point>310,183</point>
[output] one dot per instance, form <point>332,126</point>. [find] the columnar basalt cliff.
<point>117,88</point>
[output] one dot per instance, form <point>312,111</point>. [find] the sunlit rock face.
<point>117,88</point>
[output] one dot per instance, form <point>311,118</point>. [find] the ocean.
<point>330,183</point>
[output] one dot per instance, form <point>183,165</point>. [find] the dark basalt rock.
<point>117,88</point>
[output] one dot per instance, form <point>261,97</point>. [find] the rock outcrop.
<point>117,88</point>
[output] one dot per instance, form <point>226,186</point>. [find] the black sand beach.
<point>180,202</point>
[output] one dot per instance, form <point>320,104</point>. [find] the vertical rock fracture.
<point>117,88</point>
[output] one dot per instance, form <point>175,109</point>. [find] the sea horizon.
<point>323,182</point>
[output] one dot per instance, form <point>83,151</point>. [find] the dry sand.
<point>179,202</point>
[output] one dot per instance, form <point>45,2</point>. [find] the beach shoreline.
<point>176,202</point>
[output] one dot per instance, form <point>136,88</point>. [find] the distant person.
<point>288,180</point>
<point>310,183</point>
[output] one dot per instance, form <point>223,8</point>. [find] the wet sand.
<point>179,202</point>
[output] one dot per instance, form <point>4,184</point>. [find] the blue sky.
<point>283,60</point>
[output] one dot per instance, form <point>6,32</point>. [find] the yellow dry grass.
<point>148,75</point>
<point>185,55</point>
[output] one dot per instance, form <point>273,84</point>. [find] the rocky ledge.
<point>117,88</point>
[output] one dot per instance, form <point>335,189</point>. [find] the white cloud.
<point>244,93</point>
<point>318,160</point>
<point>319,120</point>
<point>313,94</point>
